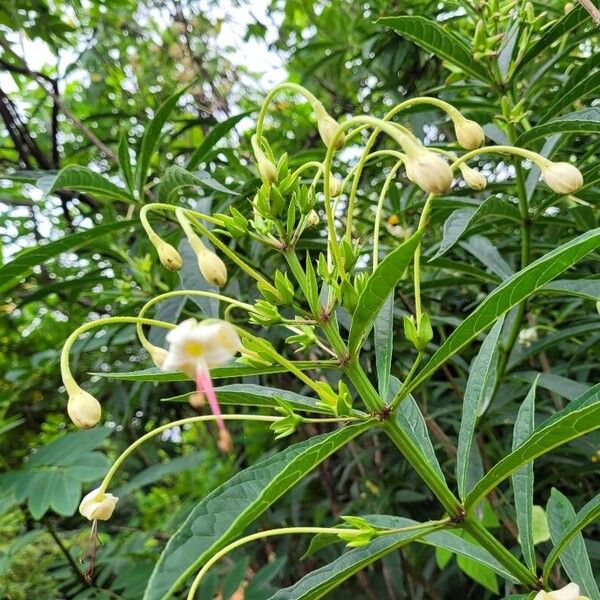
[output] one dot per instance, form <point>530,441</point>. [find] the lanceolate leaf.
<point>509,294</point>
<point>379,286</point>
<point>571,92</point>
<point>581,121</point>
<point>522,479</point>
<point>460,220</point>
<point>226,512</point>
<point>176,178</point>
<point>125,163</point>
<point>234,370</point>
<point>21,265</point>
<point>249,394</point>
<point>577,418</point>
<point>444,44</point>
<point>218,132</point>
<point>82,179</point>
<point>586,516</point>
<point>574,557</point>
<point>320,582</point>
<point>151,139</point>
<point>481,374</point>
<point>584,288</point>
<point>383,336</point>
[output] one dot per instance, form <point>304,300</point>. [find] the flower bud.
<point>158,355</point>
<point>224,443</point>
<point>312,219</point>
<point>527,336</point>
<point>168,256</point>
<point>98,506</point>
<point>328,127</point>
<point>335,186</point>
<point>474,179</point>
<point>468,133</point>
<point>266,169</point>
<point>213,269</point>
<point>197,400</point>
<point>84,410</point>
<point>429,171</point>
<point>561,177</point>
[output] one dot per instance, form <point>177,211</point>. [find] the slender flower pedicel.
<point>194,348</point>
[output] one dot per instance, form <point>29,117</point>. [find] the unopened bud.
<point>197,400</point>
<point>312,219</point>
<point>429,171</point>
<point>474,179</point>
<point>561,177</point>
<point>528,336</point>
<point>328,127</point>
<point>225,443</point>
<point>168,256</point>
<point>266,169</point>
<point>335,186</point>
<point>213,269</point>
<point>98,506</point>
<point>469,134</point>
<point>84,410</point>
<point>158,355</point>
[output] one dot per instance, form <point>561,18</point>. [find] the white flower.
<point>83,408</point>
<point>429,171</point>
<point>561,177</point>
<point>207,344</point>
<point>569,592</point>
<point>98,506</point>
<point>527,336</point>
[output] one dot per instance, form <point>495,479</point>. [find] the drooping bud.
<point>328,127</point>
<point>98,506</point>
<point>474,179</point>
<point>168,256</point>
<point>158,355</point>
<point>469,134</point>
<point>429,171</point>
<point>213,269</point>
<point>561,177</point>
<point>335,186</point>
<point>266,169</point>
<point>312,219</point>
<point>224,442</point>
<point>84,410</point>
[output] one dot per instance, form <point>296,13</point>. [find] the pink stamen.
<point>204,385</point>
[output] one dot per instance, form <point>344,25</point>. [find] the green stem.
<point>501,554</point>
<point>364,387</point>
<point>402,392</point>
<point>421,465</point>
<point>423,220</point>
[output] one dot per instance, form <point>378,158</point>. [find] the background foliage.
<point>108,67</point>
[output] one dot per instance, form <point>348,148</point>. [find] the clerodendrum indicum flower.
<point>194,348</point>
<point>569,592</point>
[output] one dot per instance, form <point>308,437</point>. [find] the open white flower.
<point>569,592</point>
<point>194,346</point>
<point>528,336</point>
<point>98,506</point>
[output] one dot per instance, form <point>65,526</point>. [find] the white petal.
<point>182,330</point>
<point>569,592</point>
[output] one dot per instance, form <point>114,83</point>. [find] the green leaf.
<point>218,132</point>
<point>571,92</point>
<point>522,479</point>
<point>573,557</point>
<point>481,377</point>
<point>480,573</point>
<point>151,139</point>
<point>322,581</point>
<point>82,179</point>
<point>583,288</point>
<point>383,337</point>
<point>52,477</point>
<point>432,37</point>
<point>586,120</point>
<point>378,287</point>
<point>460,220</point>
<point>176,178</point>
<point>571,533</point>
<point>125,162</point>
<point>563,386</point>
<point>11,273</point>
<point>574,18</point>
<point>228,510</point>
<point>508,294</point>
<point>577,418</point>
<point>248,394</point>
<point>240,369</point>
